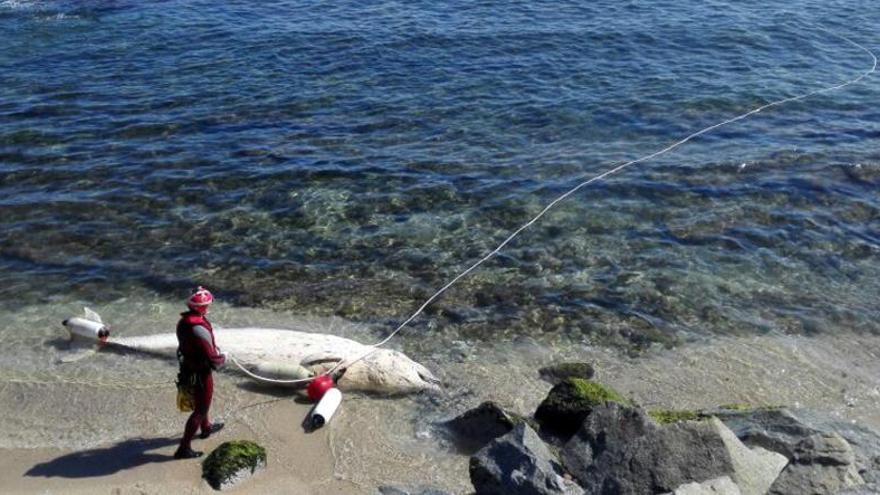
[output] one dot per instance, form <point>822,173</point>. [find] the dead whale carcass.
<point>283,354</point>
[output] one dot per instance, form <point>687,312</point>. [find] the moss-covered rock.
<point>570,402</point>
<point>558,372</point>
<point>742,407</point>
<point>669,416</point>
<point>232,462</point>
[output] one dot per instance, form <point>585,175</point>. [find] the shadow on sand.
<point>104,461</point>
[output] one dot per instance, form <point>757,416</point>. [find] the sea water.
<point>340,161</point>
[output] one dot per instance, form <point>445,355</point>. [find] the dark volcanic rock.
<point>558,372</point>
<point>774,429</point>
<point>819,462</point>
<point>620,450</point>
<point>477,427</point>
<point>864,442</point>
<point>823,463</point>
<point>518,463</point>
<point>569,402</point>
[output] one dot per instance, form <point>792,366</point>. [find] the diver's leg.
<point>204,401</point>
<point>196,419</point>
<point>206,426</point>
<point>185,451</point>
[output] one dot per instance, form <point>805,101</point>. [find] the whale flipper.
<point>91,315</point>
<point>320,358</point>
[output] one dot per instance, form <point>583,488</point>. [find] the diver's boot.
<point>214,428</point>
<point>186,454</point>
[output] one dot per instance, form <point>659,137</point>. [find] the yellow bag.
<point>185,400</point>
<point>186,383</point>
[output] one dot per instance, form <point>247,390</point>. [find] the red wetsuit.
<point>199,355</point>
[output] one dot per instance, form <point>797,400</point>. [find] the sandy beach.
<point>298,463</point>
<point>376,441</point>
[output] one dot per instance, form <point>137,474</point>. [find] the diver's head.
<point>200,300</point>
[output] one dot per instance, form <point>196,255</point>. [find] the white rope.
<point>578,187</point>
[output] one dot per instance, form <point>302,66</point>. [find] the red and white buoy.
<point>323,390</point>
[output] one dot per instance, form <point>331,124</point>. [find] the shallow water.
<point>313,160</point>
<point>348,159</point>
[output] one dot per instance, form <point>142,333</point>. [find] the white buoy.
<point>325,408</point>
<point>88,329</point>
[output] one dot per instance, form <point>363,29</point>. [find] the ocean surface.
<point>346,159</point>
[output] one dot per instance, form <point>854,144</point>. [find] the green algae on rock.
<point>571,401</point>
<point>669,416</point>
<point>232,462</point>
<point>743,407</point>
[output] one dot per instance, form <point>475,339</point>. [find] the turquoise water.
<point>348,159</point>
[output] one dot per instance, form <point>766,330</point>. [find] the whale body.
<point>283,354</point>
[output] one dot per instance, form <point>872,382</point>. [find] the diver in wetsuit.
<point>198,355</point>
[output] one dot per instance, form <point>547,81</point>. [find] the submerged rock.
<point>569,402</point>
<point>233,462</point>
<point>558,372</point>
<point>477,427</point>
<point>518,463</point>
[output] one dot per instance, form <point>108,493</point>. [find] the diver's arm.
<point>206,344</point>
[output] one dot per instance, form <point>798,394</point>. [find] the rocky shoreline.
<point>585,438</point>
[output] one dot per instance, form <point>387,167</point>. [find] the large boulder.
<point>475,428</point>
<point>569,402</point>
<point>823,463</point>
<point>233,462</point>
<point>519,463</point>
<point>819,462</point>
<point>557,372</point>
<point>620,450</point>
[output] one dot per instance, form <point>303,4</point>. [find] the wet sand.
<point>298,462</point>
<point>374,441</point>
